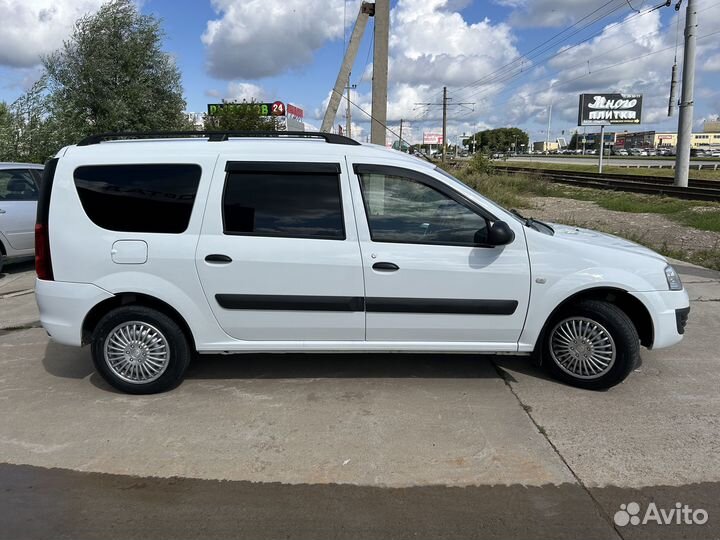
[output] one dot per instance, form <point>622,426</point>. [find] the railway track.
<point>702,190</point>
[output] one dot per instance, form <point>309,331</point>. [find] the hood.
<point>595,238</point>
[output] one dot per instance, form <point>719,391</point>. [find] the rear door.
<point>428,276</point>
<point>278,257</point>
<point>18,203</point>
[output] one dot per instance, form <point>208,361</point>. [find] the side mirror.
<point>500,234</point>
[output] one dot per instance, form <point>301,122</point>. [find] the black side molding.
<point>267,302</point>
<point>440,305</point>
<point>290,303</point>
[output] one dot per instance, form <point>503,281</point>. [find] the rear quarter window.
<point>154,198</point>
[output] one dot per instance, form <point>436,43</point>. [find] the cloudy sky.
<point>509,58</point>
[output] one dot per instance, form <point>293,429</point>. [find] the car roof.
<point>284,149</point>
<point>12,165</point>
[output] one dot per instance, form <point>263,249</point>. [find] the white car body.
<point>19,186</point>
<point>536,272</point>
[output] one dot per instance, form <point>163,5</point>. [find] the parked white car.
<point>151,250</point>
<point>18,204</point>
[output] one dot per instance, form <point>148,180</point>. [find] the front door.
<point>278,257</point>
<point>428,276</point>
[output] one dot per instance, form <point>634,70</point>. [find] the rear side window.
<point>156,198</point>
<point>17,185</point>
<point>285,200</point>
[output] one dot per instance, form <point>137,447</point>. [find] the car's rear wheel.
<point>140,350</point>
<point>591,344</point>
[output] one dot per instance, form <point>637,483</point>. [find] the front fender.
<point>546,296</point>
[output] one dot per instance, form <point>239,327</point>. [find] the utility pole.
<point>348,110</point>
<point>444,132</point>
<point>444,105</point>
<point>547,136</point>
<point>682,158</point>
<point>380,72</point>
<point>401,139</point>
<point>366,10</point>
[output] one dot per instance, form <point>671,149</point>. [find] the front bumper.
<point>669,312</point>
<point>63,307</point>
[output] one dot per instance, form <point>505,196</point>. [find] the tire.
<point>139,350</point>
<point>591,344</point>
<point>2,261</point>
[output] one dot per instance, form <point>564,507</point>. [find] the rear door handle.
<point>2,211</point>
<point>385,266</point>
<point>217,258</point>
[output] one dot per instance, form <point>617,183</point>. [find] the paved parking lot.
<point>356,446</point>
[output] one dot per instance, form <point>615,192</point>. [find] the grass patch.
<point>708,174</point>
<point>515,191</point>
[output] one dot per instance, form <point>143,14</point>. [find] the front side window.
<point>291,203</point>
<point>405,210</point>
<point>17,185</point>
<point>155,198</point>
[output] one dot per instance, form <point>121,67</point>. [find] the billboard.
<point>609,109</point>
<point>432,138</point>
<point>294,118</point>
<point>276,108</point>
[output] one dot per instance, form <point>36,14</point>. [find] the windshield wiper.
<point>529,221</point>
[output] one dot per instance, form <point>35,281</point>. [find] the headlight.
<point>673,279</point>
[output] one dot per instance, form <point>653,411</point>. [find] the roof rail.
<point>217,136</point>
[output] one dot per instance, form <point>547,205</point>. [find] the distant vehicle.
<point>698,152</point>
<point>621,152</point>
<point>19,187</point>
<point>715,153</point>
<point>591,152</point>
<point>651,152</point>
<point>340,247</point>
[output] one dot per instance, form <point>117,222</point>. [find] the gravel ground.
<point>654,230</point>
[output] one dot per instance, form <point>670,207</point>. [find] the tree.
<point>111,75</point>
<point>28,131</point>
<point>502,139</point>
<point>240,116</point>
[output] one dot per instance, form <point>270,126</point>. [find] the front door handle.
<point>385,266</point>
<point>2,211</point>
<point>217,258</point>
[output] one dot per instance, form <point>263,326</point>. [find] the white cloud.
<point>239,91</point>
<point>31,28</point>
<point>712,63</point>
<point>260,38</point>
<point>430,44</point>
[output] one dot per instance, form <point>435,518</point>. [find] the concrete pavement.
<point>355,446</point>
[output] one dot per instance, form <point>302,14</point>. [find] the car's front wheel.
<point>592,344</point>
<point>140,350</point>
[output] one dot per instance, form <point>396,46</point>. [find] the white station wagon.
<point>152,250</point>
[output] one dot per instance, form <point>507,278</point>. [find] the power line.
<point>373,118</point>
<point>511,75</point>
<point>605,68</point>
<point>547,44</point>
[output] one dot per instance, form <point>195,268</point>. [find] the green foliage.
<point>500,139</point>
<point>111,75</point>
<point>29,134</point>
<point>480,164</point>
<point>245,117</point>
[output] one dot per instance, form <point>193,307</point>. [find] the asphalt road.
<point>612,160</point>
<point>356,446</point>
